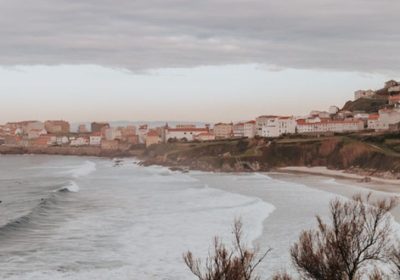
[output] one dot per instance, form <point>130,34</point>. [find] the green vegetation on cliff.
<point>368,105</point>
<point>374,154</point>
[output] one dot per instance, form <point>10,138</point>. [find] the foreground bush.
<point>353,245</point>
<point>235,263</point>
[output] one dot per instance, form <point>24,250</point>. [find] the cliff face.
<point>340,152</point>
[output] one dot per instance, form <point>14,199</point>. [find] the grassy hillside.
<point>366,104</point>
<point>375,154</point>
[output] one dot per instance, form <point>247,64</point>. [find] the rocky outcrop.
<point>339,152</point>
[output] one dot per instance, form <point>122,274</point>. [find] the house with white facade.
<point>62,140</point>
<point>205,136</point>
<point>95,139</point>
<point>263,121</point>
<point>305,126</point>
<point>223,130</point>
<point>388,117</point>
<point>142,133</point>
<point>278,126</point>
<point>80,141</point>
<point>183,133</point>
<point>249,129</point>
<point>373,122</point>
<point>238,130</point>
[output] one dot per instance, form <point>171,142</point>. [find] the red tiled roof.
<point>394,97</point>
<point>373,116</point>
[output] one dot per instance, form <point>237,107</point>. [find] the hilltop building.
<point>364,94</point>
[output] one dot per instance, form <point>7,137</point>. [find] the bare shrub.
<point>235,263</point>
<point>282,276</point>
<point>359,235</point>
<point>395,259</point>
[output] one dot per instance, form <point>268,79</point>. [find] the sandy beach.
<point>340,183</point>
<point>394,185</point>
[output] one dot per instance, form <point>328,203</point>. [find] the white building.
<point>388,117</point>
<point>278,126</point>
<point>373,122</point>
<point>249,129</point>
<point>95,139</point>
<point>238,130</point>
<point>184,133</point>
<point>142,133</point>
<point>62,140</point>
<point>263,121</point>
<point>205,136</point>
<point>80,141</point>
<point>349,125</point>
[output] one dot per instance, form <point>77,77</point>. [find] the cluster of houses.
<point>101,134</point>
<point>58,133</point>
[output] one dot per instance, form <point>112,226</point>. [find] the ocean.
<point>91,218</point>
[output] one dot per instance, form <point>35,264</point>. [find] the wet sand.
<point>343,184</point>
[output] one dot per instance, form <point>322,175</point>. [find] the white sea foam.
<point>83,170</point>
<point>70,187</point>
<point>135,222</point>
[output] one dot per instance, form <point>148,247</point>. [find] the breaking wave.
<point>82,170</point>
<point>42,209</point>
<point>71,187</point>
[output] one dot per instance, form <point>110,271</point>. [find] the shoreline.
<point>343,174</point>
<point>358,175</point>
<point>68,151</point>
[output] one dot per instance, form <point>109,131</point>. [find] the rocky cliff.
<point>377,155</point>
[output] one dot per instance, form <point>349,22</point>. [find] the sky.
<point>209,60</point>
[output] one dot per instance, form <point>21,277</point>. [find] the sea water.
<point>89,218</point>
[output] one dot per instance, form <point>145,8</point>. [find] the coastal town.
<point>381,115</point>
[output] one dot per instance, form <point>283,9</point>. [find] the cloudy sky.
<point>205,60</point>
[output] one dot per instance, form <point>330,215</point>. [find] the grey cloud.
<point>354,35</point>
